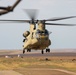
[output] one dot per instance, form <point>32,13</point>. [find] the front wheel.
<point>23,51</point>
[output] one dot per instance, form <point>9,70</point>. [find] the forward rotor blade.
<point>3,12</point>
<point>60,24</point>
<point>3,8</point>
<point>22,21</point>
<point>11,7</point>
<point>63,18</point>
<point>32,13</point>
<point>16,3</point>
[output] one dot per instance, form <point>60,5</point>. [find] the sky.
<point>62,37</point>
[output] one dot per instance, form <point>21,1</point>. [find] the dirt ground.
<point>37,71</point>
<point>9,72</point>
<point>37,64</point>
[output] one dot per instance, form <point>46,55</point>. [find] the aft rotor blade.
<point>62,18</point>
<point>22,21</point>
<point>60,24</point>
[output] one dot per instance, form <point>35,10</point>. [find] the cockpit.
<point>42,34</point>
<point>45,32</point>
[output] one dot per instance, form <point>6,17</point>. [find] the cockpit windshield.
<point>45,32</point>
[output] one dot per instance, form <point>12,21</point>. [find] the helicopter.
<point>37,37</point>
<point>5,10</point>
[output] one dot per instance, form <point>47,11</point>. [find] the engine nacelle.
<point>25,34</point>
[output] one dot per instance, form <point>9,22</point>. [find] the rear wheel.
<point>48,50</point>
<point>28,50</point>
<point>42,52</point>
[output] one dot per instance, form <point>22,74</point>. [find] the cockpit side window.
<point>46,32</point>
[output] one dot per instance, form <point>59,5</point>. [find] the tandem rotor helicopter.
<point>5,10</point>
<point>37,37</point>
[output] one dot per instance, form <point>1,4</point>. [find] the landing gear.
<point>42,52</point>
<point>28,50</point>
<point>47,50</point>
<point>23,51</point>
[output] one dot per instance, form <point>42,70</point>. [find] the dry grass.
<point>54,62</point>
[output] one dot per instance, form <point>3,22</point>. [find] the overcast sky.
<point>61,37</point>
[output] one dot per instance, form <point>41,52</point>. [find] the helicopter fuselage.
<point>38,39</point>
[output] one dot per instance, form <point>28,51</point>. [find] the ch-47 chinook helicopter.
<point>5,10</point>
<point>38,37</point>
